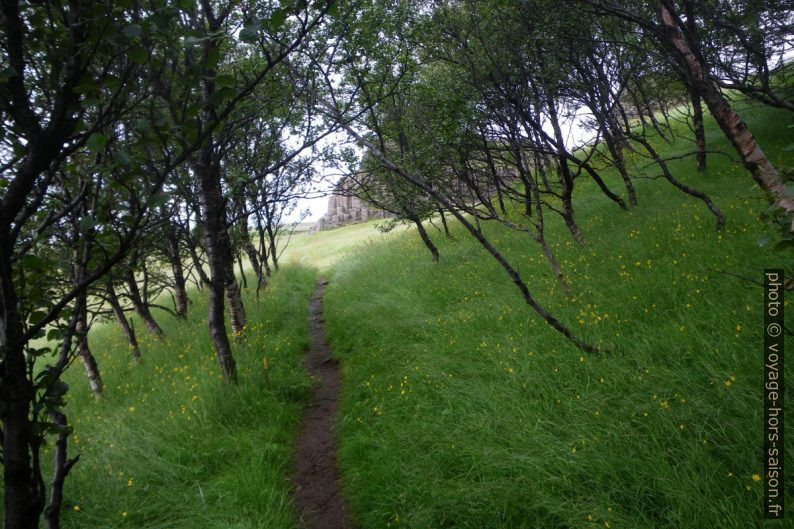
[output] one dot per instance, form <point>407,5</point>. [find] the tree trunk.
<point>23,492</point>
<point>422,184</point>
<point>532,195</point>
<point>178,271</point>
<point>250,251</point>
<point>426,238</point>
<point>89,362</point>
<point>272,236</point>
<point>700,132</point>
<point>564,173</point>
<point>61,468</point>
<point>732,125</point>
<point>686,189</point>
<point>129,330</point>
<point>242,270</point>
<point>444,223</point>
<point>219,257</point>
<point>141,306</point>
<point>616,151</point>
<point>263,248</point>
<point>236,307</point>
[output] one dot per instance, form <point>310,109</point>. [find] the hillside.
<point>460,407</point>
<point>463,409</point>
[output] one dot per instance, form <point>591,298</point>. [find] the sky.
<point>573,129</point>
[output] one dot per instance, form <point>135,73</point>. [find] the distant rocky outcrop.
<point>345,209</point>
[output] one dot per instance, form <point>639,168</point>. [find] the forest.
<point>583,188</point>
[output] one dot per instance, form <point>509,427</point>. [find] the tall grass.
<point>168,446</point>
<point>462,409</point>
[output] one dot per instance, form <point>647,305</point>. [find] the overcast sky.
<point>575,134</point>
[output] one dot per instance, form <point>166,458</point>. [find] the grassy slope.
<point>462,409</point>
<point>168,446</point>
<point>326,249</point>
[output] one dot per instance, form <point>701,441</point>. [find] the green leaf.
<point>250,31</point>
<point>58,389</point>
<point>333,9</point>
<point>132,31</point>
<point>96,142</point>
<point>54,335</point>
<point>7,73</point>
<point>123,158</point>
<point>217,98</point>
<point>193,110</point>
<point>86,223</point>
<point>138,55</point>
<point>32,262</point>
<point>764,239</point>
<point>213,56</point>
<point>160,199</point>
<point>224,80</point>
<point>278,18</point>
<point>36,317</point>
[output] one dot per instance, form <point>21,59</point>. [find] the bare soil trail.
<point>317,495</point>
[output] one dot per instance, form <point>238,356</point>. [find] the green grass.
<point>462,409</point>
<point>329,248</point>
<point>169,446</point>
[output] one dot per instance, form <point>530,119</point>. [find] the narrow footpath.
<point>318,496</point>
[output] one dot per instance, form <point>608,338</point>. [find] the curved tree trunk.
<point>564,173</point>
<point>61,466</point>
<point>124,323</point>
<point>732,125</point>
<point>425,238</point>
<point>89,362</point>
<point>484,242</point>
<point>141,306</point>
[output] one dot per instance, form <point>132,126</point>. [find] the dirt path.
<point>318,497</point>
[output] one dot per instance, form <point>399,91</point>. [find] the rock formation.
<point>343,209</point>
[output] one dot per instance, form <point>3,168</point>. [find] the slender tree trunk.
<point>601,184</point>
<point>141,306</point>
<point>61,465</point>
<point>617,156</point>
<point>533,195</point>
<point>250,251</point>
<point>180,283</point>
<point>263,253</point>
<point>564,172</point>
<point>567,215</point>
<point>81,334</point>
<point>271,234</point>
<point>444,223</point>
<point>548,252</point>
<point>242,270</point>
<point>486,244</point>
<point>219,256</point>
<point>700,132</point>
<point>732,125</point>
<point>425,238</point>
<point>235,299</point>
<point>686,189</point>
<point>129,330</point>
